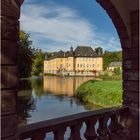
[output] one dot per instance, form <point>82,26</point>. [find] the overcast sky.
<point>59,24</point>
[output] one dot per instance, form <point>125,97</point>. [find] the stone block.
<point>135,17</point>
<point>113,13</point>
<point>10,28</point>
<point>131,64</point>
<point>131,75</point>
<point>132,53</point>
<point>131,98</point>
<point>135,41</point>
<point>9,52</point>
<point>10,8</point>
<point>9,125</point>
<point>125,43</point>
<point>8,101</point>
<point>135,28</point>
<point>9,77</point>
<point>11,138</point>
<point>118,23</point>
<point>122,32</point>
<point>106,4</point>
<point>131,86</point>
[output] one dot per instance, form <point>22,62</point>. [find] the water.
<point>49,97</point>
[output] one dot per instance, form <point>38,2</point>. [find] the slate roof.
<point>80,51</point>
<point>115,64</point>
<point>84,51</point>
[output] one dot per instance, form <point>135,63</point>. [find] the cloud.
<point>53,27</point>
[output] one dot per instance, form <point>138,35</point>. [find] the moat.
<point>44,98</point>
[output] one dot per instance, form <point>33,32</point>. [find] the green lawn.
<point>102,93</point>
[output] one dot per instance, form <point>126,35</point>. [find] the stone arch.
<point>117,21</point>
<point>10,13</point>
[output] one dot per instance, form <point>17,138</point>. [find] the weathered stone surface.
<point>8,52</point>
<point>9,77</point>
<point>10,8</point>
<point>9,125</point>
<point>131,98</point>
<point>132,53</point>
<point>11,138</point>
<point>135,29</point>
<point>105,3</point>
<point>8,102</point>
<point>125,43</point>
<point>135,41</point>
<point>131,86</point>
<point>131,75</point>
<point>131,64</point>
<point>118,23</point>
<point>122,32</point>
<point>135,17</point>
<point>10,28</point>
<point>113,13</point>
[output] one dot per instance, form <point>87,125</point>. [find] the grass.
<point>102,93</point>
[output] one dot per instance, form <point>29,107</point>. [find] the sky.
<point>56,25</point>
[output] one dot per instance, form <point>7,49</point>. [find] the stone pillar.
<point>131,76</point>
<point>10,10</point>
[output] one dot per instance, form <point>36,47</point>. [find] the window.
<point>81,65</point>
<point>87,65</point>
<point>77,65</point>
<point>93,65</point>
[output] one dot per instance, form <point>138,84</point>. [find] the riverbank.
<point>102,93</point>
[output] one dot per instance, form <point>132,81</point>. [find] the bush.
<point>117,71</point>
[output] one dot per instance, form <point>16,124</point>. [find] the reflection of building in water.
<point>63,85</point>
<point>82,61</point>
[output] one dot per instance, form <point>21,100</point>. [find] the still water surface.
<point>49,97</point>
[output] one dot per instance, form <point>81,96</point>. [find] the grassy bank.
<point>102,93</point>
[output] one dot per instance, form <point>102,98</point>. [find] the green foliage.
<point>38,63</point>
<point>25,55</point>
<point>109,57</point>
<point>99,50</point>
<point>117,71</point>
<point>106,76</point>
<point>102,93</point>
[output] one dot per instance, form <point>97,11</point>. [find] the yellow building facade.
<point>82,61</point>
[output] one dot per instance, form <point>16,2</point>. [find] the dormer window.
<point>91,54</point>
<point>85,55</point>
<point>78,54</point>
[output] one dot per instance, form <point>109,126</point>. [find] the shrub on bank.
<point>102,93</point>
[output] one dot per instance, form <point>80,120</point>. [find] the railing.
<point>104,124</point>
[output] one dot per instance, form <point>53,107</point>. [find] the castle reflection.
<point>63,85</point>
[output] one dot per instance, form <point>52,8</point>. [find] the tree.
<point>99,50</point>
<point>109,57</point>
<point>38,63</point>
<point>25,55</point>
<point>117,71</point>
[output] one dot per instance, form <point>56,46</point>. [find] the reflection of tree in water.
<point>37,86</point>
<point>25,101</point>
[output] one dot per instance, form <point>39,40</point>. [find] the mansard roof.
<point>80,51</point>
<point>84,51</point>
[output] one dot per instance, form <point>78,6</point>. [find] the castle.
<point>83,61</point>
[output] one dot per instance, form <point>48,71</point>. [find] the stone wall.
<point>9,37</point>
